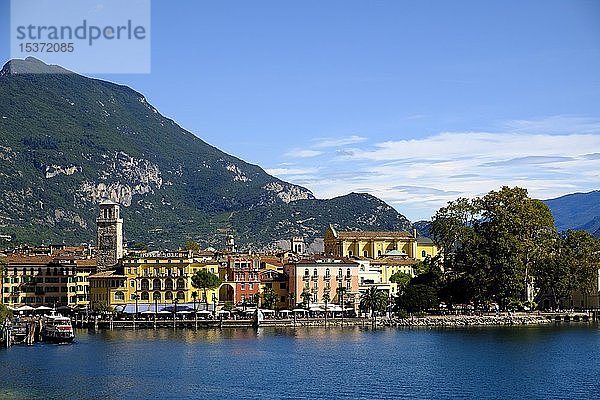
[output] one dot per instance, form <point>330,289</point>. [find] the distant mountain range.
<point>579,211</point>
<point>68,141</point>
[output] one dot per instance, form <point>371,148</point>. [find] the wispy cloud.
<point>555,124</point>
<point>291,171</point>
<point>303,153</point>
<point>418,176</point>
<point>338,142</point>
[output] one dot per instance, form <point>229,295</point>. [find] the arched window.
<point>180,284</point>
<point>365,254</point>
<point>181,295</point>
<point>340,274</point>
<point>145,284</point>
<point>169,296</point>
<point>348,273</point>
<point>169,284</point>
<point>156,296</point>
<point>315,272</point>
<point>423,254</point>
<point>378,253</point>
<point>327,273</point>
<point>350,253</point>
<point>156,284</point>
<point>145,296</point>
<point>306,273</point>
<point>119,296</point>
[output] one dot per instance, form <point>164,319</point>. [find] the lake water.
<point>542,362</point>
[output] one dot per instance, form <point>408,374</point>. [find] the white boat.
<point>57,329</point>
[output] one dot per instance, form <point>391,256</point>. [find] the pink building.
<point>324,275</point>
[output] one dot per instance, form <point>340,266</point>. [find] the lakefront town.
<point>524,273</point>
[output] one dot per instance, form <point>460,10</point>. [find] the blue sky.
<point>415,102</point>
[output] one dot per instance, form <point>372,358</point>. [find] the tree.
<point>417,298</point>
<point>205,280</point>
<point>496,243</point>
<point>401,279</point>
<point>572,265</point>
<point>292,299</point>
<point>269,298</point>
<point>373,300</point>
<point>191,245</point>
<point>5,313</point>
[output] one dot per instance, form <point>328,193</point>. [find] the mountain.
<point>68,141</point>
<point>579,211</point>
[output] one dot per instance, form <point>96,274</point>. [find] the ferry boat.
<point>57,329</point>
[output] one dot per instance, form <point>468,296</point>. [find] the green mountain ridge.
<point>68,141</point>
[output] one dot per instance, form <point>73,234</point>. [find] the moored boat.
<point>57,329</point>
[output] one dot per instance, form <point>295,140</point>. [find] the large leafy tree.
<point>205,280</point>
<point>494,245</point>
<point>572,265</point>
<point>417,298</point>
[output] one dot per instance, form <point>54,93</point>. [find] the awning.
<point>284,311</point>
<point>43,308</point>
<point>267,311</point>
<point>223,312</point>
<point>25,308</point>
<point>299,310</point>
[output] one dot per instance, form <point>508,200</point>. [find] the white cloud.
<point>418,176</point>
<point>338,142</point>
<point>290,171</point>
<point>303,153</point>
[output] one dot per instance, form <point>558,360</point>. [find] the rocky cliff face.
<point>67,142</point>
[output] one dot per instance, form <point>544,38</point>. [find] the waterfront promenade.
<point>504,319</point>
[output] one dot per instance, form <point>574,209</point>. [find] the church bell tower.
<point>109,240</point>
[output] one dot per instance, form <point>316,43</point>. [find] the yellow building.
<point>426,248</point>
<point>393,264</point>
<point>155,279</point>
<point>368,244</point>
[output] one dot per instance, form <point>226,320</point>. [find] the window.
<point>340,272</point>
<point>365,254</point>
<point>316,286</point>
<point>169,284</point>
<point>350,253</point>
<point>327,273</point>
<point>156,296</point>
<point>348,285</point>
<point>315,273</point>
<point>180,295</point>
<point>145,284</point>
<point>180,284</point>
<point>119,296</point>
<point>145,296</point>
<point>378,253</point>
<point>169,296</point>
<point>243,286</point>
<point>251,286</point>
<point>306,273</point>
<point>156,284</point>
<point>348,273</point>
<point>423,254</point>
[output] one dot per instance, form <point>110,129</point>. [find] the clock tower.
<point>109,239</point>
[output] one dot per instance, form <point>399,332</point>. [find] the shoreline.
<point>414,321</point>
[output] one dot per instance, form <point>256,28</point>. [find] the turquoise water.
<point>496,363</point>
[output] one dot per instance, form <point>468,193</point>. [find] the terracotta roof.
<point>17,259</point>
<point>86,262</point>
<point>374,235</point>
<point>106,274</point>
